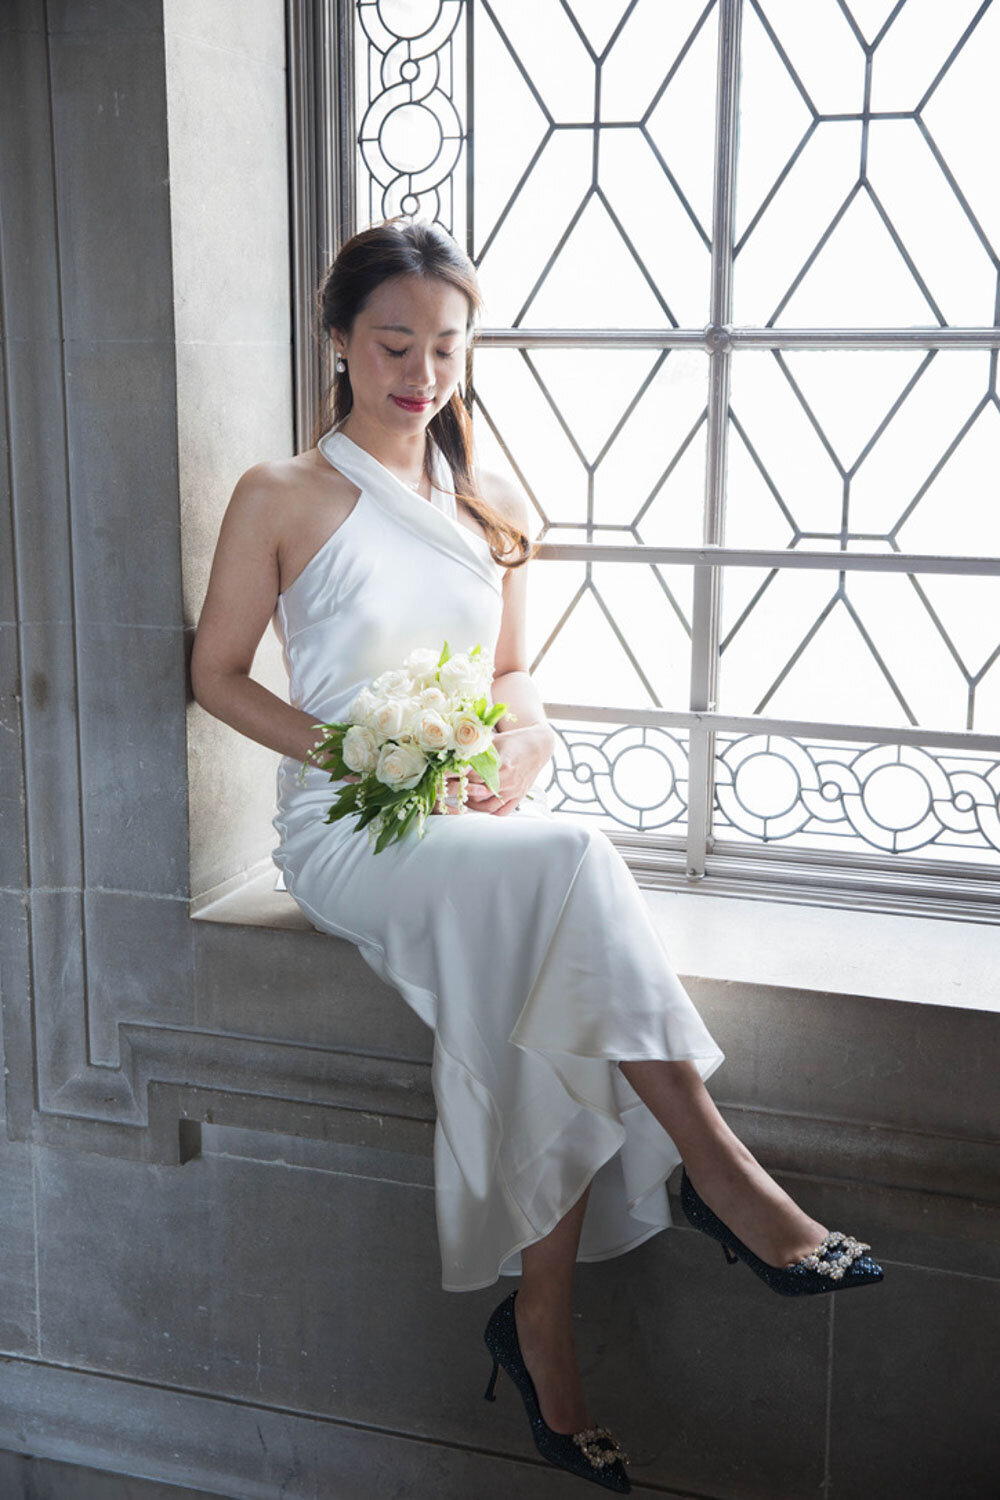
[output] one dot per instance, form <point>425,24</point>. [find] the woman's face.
<point>406,352</point>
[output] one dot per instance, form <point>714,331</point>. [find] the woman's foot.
<point>545,1335</point>
<point>759,1212</point>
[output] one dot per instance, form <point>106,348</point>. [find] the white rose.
<point>432,697</point>
<point>422,666</point>
<point>460,677</point>
<point>360,749</point>
<point>400,766</point>
<point>432,732</point>
<point>394,684</point>
<point>387,717</point>
<point>412,709</point>
<point>471,738</point>
<point>361,709</point>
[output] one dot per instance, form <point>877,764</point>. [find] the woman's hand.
<point>523,752</point>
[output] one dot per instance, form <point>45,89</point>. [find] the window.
<point>740,263</point>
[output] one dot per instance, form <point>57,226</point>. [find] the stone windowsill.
<point>829,950</point>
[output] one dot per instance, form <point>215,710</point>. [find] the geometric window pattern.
<point>581,150</point>
<point>897,799</point>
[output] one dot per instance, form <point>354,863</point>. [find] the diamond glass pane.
<point>608,440</point>
<point>593,167</point>
<point>876,648</point>
<point>899,448</point>
<point>867,198</point>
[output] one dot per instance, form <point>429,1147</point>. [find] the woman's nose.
<point>421,370</point>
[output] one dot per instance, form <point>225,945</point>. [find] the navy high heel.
<point>593,1454</point>
<point>837,1262</point>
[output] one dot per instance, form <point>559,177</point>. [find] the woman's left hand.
<point>523,752</point>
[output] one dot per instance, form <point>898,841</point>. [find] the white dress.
<point>522,940</point>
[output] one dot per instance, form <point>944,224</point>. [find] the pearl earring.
<point>341,364</point>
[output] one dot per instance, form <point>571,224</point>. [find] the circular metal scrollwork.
<point>896,798</point>
<point>411,136</point>
<point>635,776</point>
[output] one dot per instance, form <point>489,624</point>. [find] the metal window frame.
<point>321,89</point>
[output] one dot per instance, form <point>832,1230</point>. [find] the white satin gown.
<point>522,940</point>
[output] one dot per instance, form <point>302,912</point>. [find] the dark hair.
<point>400,247</point>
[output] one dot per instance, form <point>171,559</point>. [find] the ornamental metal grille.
<point>742,283</point>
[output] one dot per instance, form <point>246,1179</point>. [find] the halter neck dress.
<point>523,941</point>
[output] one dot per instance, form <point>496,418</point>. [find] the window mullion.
<point>707,595</point>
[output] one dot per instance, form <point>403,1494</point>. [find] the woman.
<point>569,1063</point>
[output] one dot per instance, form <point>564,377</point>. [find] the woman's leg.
<point>730,1180</point>
<point>543,1314</point>
<point>725,1173</point>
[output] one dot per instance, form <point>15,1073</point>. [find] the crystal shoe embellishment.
<point>828,1260</point>
<point>593,1444</point>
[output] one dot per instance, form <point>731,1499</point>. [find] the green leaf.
<point>488,764</point>
<point>445,654</point>
<point>386,835</point>
<point>409,820</point>
<point>480,706</point>
<point>496,712</point>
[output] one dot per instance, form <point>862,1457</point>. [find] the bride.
<point>383,535</point>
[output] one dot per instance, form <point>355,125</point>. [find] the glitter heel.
<point>837,1262</point>
<point>593,1454</point>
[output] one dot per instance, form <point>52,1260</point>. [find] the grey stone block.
<point>13,836</point>
<point>58,999</point>
<point>247,1452</point>
<point>133,760</point>
<point>30,258</point>
<point>849,1057</point>
<point>15,1013</point>
<point>139,966</point>
<point>22,15</point>
<point>314,989</point>
<point>42,548</point>
<point>103,16</point>
<point>23,1477</point>
<point>51,755</point>
<point>123,483</point>
<point>8,607</point>
<point>112,183</point>
<point>913,1406</point>
<point>18,1324</point>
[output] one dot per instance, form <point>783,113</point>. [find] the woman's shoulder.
<point>283,492</point>
<point>285,478</point>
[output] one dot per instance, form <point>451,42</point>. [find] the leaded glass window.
<point>740,263</point>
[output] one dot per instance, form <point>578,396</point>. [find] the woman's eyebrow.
<point>401,328</point>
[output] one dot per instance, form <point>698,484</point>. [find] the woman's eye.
<point>398,353</point>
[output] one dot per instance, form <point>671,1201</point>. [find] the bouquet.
<point>405,733</point>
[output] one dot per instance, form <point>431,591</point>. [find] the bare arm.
<point>241,598</point>
<point>512,682</point>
